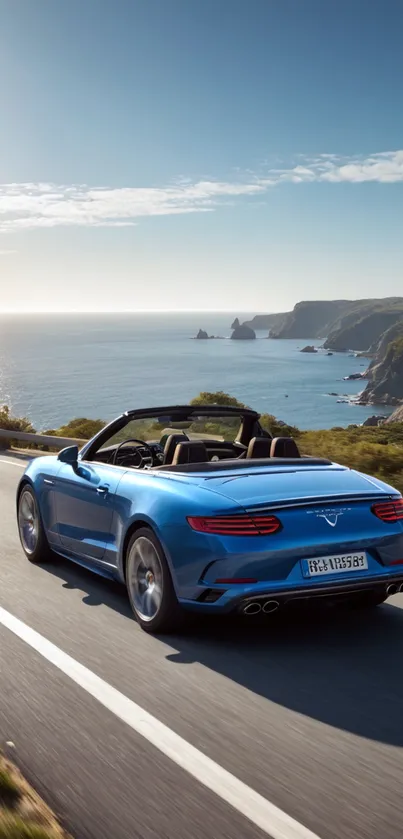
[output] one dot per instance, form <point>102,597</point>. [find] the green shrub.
<point>80,429</point>
<point>217,398</point>
<point>10,423</point>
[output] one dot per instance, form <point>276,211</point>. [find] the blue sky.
<point>199,154</point>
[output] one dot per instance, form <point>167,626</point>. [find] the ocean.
<point>54,368</point>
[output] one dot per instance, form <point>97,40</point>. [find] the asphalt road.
<point>308,713</point>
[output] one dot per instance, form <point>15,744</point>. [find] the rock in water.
<point>243,333</point>
<point>235,324</point>
<point>201,335</point>
<point>308,348</point>
<point>374,420</point>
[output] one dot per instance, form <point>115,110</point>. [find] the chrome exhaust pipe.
<point>252,608</point>
<point>270,606</point>
<point>392,589</point>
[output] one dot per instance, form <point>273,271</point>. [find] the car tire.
<point>149,584</point>
<point>367,600</point>
<point>30,527</point>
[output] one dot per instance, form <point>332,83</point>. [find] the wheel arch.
<point>133,527</point>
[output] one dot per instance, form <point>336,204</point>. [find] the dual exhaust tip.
<point>255,607</point>
<point>394,588</point>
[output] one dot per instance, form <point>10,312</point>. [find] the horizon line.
<point>131,312</point>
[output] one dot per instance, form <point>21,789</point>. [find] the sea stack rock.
<point>308,348</point>
<point>243,333</point>
<point>201,335</point>
<point>235,324</point>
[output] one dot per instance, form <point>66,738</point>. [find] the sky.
<point>199,154</point>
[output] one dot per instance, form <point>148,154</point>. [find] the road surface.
<point>308,714</point>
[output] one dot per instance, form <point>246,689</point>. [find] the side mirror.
<point>69,455</point>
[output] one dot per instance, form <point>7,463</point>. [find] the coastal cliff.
<point>266,322</point>
<point>310,319</point>
<point>385,375</point>
<point>361,330</point>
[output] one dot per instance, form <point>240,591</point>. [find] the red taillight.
<point>238,525</point>
<point>389,511</point>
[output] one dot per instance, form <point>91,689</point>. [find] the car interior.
<point>175,450</point>
<point>190,439</point>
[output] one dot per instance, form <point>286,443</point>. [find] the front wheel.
<point>149,584</point>
<point>31,529</point>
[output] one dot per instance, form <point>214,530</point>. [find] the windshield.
<point>158,429</point>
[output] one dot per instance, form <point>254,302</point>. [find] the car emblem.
<point>331,517</point>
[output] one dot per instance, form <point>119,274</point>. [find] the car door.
<point>85,496</point>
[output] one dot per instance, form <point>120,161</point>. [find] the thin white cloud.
<point>7,253</point>
<point>46,205</point>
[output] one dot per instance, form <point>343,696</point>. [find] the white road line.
<point>245,800</point>
<point>12,463</point>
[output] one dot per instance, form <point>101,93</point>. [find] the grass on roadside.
<point>23,814</point>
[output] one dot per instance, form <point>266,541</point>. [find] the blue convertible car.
<point>198,508</point>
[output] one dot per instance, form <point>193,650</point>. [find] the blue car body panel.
<point>89,511</point>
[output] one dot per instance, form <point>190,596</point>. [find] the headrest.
<point>193,451</point>
<point>171,444</point>
<point>284,447</point>
<point>259,447</point>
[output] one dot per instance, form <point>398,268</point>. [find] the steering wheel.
<point>142,460</point>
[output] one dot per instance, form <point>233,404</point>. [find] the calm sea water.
<point>54,368</point>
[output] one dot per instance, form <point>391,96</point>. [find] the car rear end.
<point>293,535</point>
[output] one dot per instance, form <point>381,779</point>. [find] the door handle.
<point>102,490</point>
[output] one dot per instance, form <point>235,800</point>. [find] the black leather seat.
<point>259,447</point>
<point>193,451</point>
<point>284,447</point>
<point>171,444</point>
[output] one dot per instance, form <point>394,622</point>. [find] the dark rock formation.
<point>353,376</point>
<point>235,324</point>
<point>309,349</point>
<point>374,420</point>
<point>202,335</point>
<point>243,333</point>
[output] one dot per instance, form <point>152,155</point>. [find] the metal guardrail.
<point>40,439</point>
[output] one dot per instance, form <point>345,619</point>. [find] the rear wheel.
<point>149,584</point>
<point>31,529</point>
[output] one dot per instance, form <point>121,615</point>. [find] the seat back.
<point>284,447</point>
<point>193,451</point>
<point>171,444</point>
<point>259,447</point>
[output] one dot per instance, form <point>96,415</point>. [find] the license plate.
<point>340,564</point>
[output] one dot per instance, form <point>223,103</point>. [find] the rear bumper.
<point>236,601</point>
